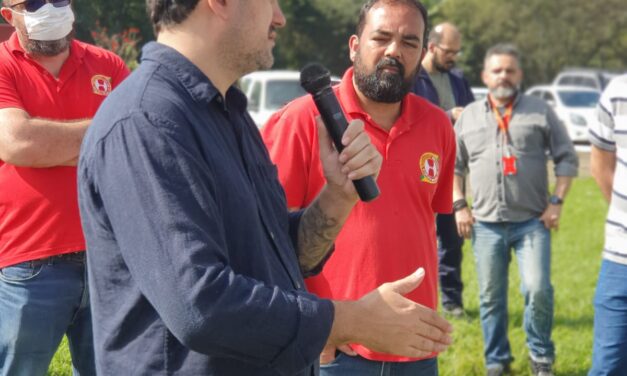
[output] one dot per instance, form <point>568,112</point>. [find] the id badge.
<point>509,166</point>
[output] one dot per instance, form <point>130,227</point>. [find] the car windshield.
<point>584,99</point>
<point>279,92</point>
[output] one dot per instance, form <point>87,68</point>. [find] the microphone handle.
<point>336,124</point>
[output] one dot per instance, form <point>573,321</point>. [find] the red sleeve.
<point>291,138</point>
<point>9,96</point>
<point>443,198</point>
<point>121,73</point>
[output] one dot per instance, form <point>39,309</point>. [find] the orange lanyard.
<point>503,120</point>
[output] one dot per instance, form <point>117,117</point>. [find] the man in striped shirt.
<point>608,160</point>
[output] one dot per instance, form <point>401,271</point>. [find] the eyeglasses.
<point>34,5</point>
<point>449,52</point>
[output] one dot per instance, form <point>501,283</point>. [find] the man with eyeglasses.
<point>446,87</point>
<point>50,87</point>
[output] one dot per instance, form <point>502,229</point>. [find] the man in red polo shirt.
<point>50,87</point>
<point>387,238</point>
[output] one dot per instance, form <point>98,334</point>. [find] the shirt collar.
<point>193,79</point>
<point>488,105</point>
<point>350,103</point>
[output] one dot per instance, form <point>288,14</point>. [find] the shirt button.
<point>272,235</point>
<point>298,285</point>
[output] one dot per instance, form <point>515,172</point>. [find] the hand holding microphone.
<point>316,80</point>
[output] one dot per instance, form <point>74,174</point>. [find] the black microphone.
<point>316,80</point>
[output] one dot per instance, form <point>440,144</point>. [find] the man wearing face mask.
<point>502,143</point>
<point>385,238</point>
<point>50,87</point>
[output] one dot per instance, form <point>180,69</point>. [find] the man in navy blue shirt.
<point>195,265</point>
<point>445,87</point>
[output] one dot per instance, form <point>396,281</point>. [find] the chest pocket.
<point>527,133</point>
<point>477,141</point>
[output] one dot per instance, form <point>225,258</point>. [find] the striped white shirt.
<point>610,133</point>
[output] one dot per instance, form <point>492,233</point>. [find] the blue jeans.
<point>531,242</point>
<point>40,301</point>
<point>449,260</point>
<point>345,365</point>
<point>609,354</point>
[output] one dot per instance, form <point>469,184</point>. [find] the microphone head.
<point>315,77</point>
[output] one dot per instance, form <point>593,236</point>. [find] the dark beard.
<point>442,68</point>
<point>49,47</point>
<point>381,86</point>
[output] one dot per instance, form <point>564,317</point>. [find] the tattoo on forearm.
<point>316,234</point>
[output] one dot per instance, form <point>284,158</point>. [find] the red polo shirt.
<point>392,236</point>
<point>38,206</point>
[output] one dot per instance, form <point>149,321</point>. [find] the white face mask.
<point>48,22</point>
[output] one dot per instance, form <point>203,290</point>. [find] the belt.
<point>74,256</point>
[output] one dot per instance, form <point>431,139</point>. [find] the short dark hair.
<point>503,49</point>
<point>164,13</point>
<point>370,3</point>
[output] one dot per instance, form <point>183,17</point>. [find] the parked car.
<point>575,107</point>
<point>479,92</point>
<point>584,77</point>
<point>268,91</point>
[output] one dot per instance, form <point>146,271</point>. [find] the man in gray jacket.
<point>503,142</point>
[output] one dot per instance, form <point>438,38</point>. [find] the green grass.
<point>576,260</point>
<point>575,263</point>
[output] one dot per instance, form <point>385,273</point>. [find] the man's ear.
<point>220,8</point>
<point>431,47</point>
<point>353,46</point>
<point>7,14</point>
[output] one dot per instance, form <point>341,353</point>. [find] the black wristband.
<point>459,204</point>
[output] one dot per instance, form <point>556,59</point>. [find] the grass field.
<point>576,260</point>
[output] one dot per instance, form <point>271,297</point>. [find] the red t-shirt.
<point>390,237</point>
<point>38,206</point>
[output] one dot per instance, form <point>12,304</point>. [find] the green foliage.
<point>550,34</point>
<point>114,15</point>
<point>576,258</point>
<point>317,31</point>
<point>124,44</point>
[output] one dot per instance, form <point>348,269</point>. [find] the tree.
<point>551,35</point>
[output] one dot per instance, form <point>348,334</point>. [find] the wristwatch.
<point>554,200</point>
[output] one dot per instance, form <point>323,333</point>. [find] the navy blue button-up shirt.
<point>191,251</point>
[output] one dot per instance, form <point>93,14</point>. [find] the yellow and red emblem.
<point>429,168</point>
<point>101,85</point>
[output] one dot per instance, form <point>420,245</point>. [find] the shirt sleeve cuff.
<point>314,326</point>
<point>566,170</point>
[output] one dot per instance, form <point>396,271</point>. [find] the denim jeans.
<point>492,244</point>
<point>609,354</point>
<point>40,301</point>
<point>345,365</point>
<point>449,260</point>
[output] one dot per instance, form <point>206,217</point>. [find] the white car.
<point>585,77</point>
<point>268,91</point>
<point>479,92</point>
<point>575,106</point>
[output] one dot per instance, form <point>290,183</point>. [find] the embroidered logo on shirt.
<point>101,85</point>
<point>430,168</point>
